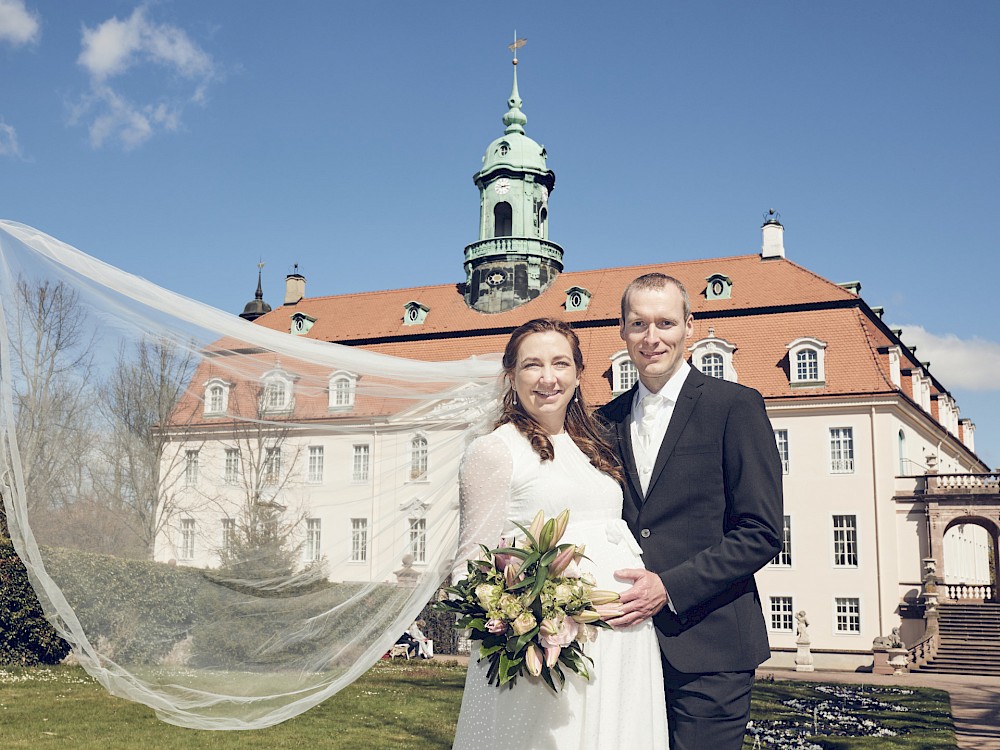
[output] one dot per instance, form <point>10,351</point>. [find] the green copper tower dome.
<point>513,261</point>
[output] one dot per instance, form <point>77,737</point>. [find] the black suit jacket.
<point>711,518</point>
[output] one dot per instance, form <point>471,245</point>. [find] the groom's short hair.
<point>655,282</point>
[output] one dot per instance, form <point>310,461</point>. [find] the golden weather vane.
<point>518,43</point>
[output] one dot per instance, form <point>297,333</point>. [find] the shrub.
<point>135,609</point>
<point>26,637</point>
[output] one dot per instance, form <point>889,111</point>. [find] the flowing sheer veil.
<point>228,523</point>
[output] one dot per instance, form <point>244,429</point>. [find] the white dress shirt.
<point>646,450</point>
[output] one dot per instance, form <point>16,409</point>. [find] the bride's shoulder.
<point>504,439</point>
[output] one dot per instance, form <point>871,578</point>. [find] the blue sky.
<point>183,141</point>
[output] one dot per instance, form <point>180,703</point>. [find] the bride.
<point>546,453</point>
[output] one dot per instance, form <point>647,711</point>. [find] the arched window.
<point>623,372</point>
<point>418,458</point>
<point>277,391</point>
<point>903,462</point>
<point>712,365</point>
<point>543,229</point>
<point>807,365</point>
<point>714,357</point>
<point>216,396</point>
<point>503,220</point>
<point>806,362</point>
<point>342,388</point>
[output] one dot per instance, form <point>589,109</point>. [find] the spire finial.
<point>260,290</point>
<point>515,119</point>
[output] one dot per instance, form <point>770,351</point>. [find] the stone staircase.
<point>970,640</point>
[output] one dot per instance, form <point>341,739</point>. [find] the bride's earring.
<point>576,395</point>
<point>515,397</point>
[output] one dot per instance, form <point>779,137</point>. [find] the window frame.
<point>624,373</point>
<point>341,390</point>
<point>786,617</point>
<point>417,544</point>
<point>419,458</point>
<point>784,558</point>
<point>232,462</point>
<point>713,345</point>
<point>187,548</point>
<point>359,540</point>
<point>847,615</point>
<point>842,458</point>
<point>223,403</point>
<point>781,443</point>
<point>191,467</point>
<point>807,345</point>
<point>845,540</point>
<point>313,549</point>
<point>315,464</point>
<point>361,472</point>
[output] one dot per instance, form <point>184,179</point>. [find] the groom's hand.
<point>644,599</point>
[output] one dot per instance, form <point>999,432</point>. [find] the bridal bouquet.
<point>531,607</point>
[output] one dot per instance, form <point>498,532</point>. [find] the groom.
<point>703,498</point>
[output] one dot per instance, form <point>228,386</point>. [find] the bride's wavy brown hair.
<point>579,424</point>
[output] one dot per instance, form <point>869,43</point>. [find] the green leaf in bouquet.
<point>527,534</point>
<point>513,551</point>
<point>488,650</point>
<point>517,645</point>
<point>509,668</point>
<point>541,576</point>
<point>547,676</point>
<point>576,660</point>
<point>551,555</point>
<point>529,581</point>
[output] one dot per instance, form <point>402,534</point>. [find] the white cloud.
<point>972,363</point>
<point>18,25</point>
<point>8,141</point>
<point>113,117</point>
<point>114,48</point>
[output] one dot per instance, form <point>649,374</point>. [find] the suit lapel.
<point>686,400</point>
<point>620,415</point>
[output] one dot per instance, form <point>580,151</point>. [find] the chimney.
<point>773,235</point>
<point>295,286</point>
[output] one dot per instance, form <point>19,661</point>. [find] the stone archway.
<point>944,516</point>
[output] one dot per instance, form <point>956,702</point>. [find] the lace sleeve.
<point>484,489</point>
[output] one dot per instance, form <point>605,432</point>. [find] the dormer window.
<point>216,396</point>
<point>623,372</point>
<point>577,298</point>
<point>806,363</point>
<point>277,394</point>
<point>301,323</point>
<point>342,389</point>
<point>718,286</point>
<point>713,356</point>
<point>414,313</point>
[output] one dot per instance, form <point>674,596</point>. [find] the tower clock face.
<point>501,186</point>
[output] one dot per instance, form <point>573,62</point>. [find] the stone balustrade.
<point>961,591</point>
<point>961,483</point>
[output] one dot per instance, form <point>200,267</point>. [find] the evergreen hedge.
<point>26,637</point>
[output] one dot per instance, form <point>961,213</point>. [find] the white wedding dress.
<point>622,705</point>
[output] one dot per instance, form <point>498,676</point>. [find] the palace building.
<point>880,470</point>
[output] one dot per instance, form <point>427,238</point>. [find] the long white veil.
<point>227,523</point>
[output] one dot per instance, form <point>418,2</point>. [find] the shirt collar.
<point>672,389</point>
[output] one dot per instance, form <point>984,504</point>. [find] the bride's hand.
<point>645,598</point>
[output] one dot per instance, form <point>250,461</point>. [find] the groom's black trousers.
<point>707,711</point>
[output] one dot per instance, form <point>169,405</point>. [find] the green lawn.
<point>394,705</point>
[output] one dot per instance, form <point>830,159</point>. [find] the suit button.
<point>644,533</point>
